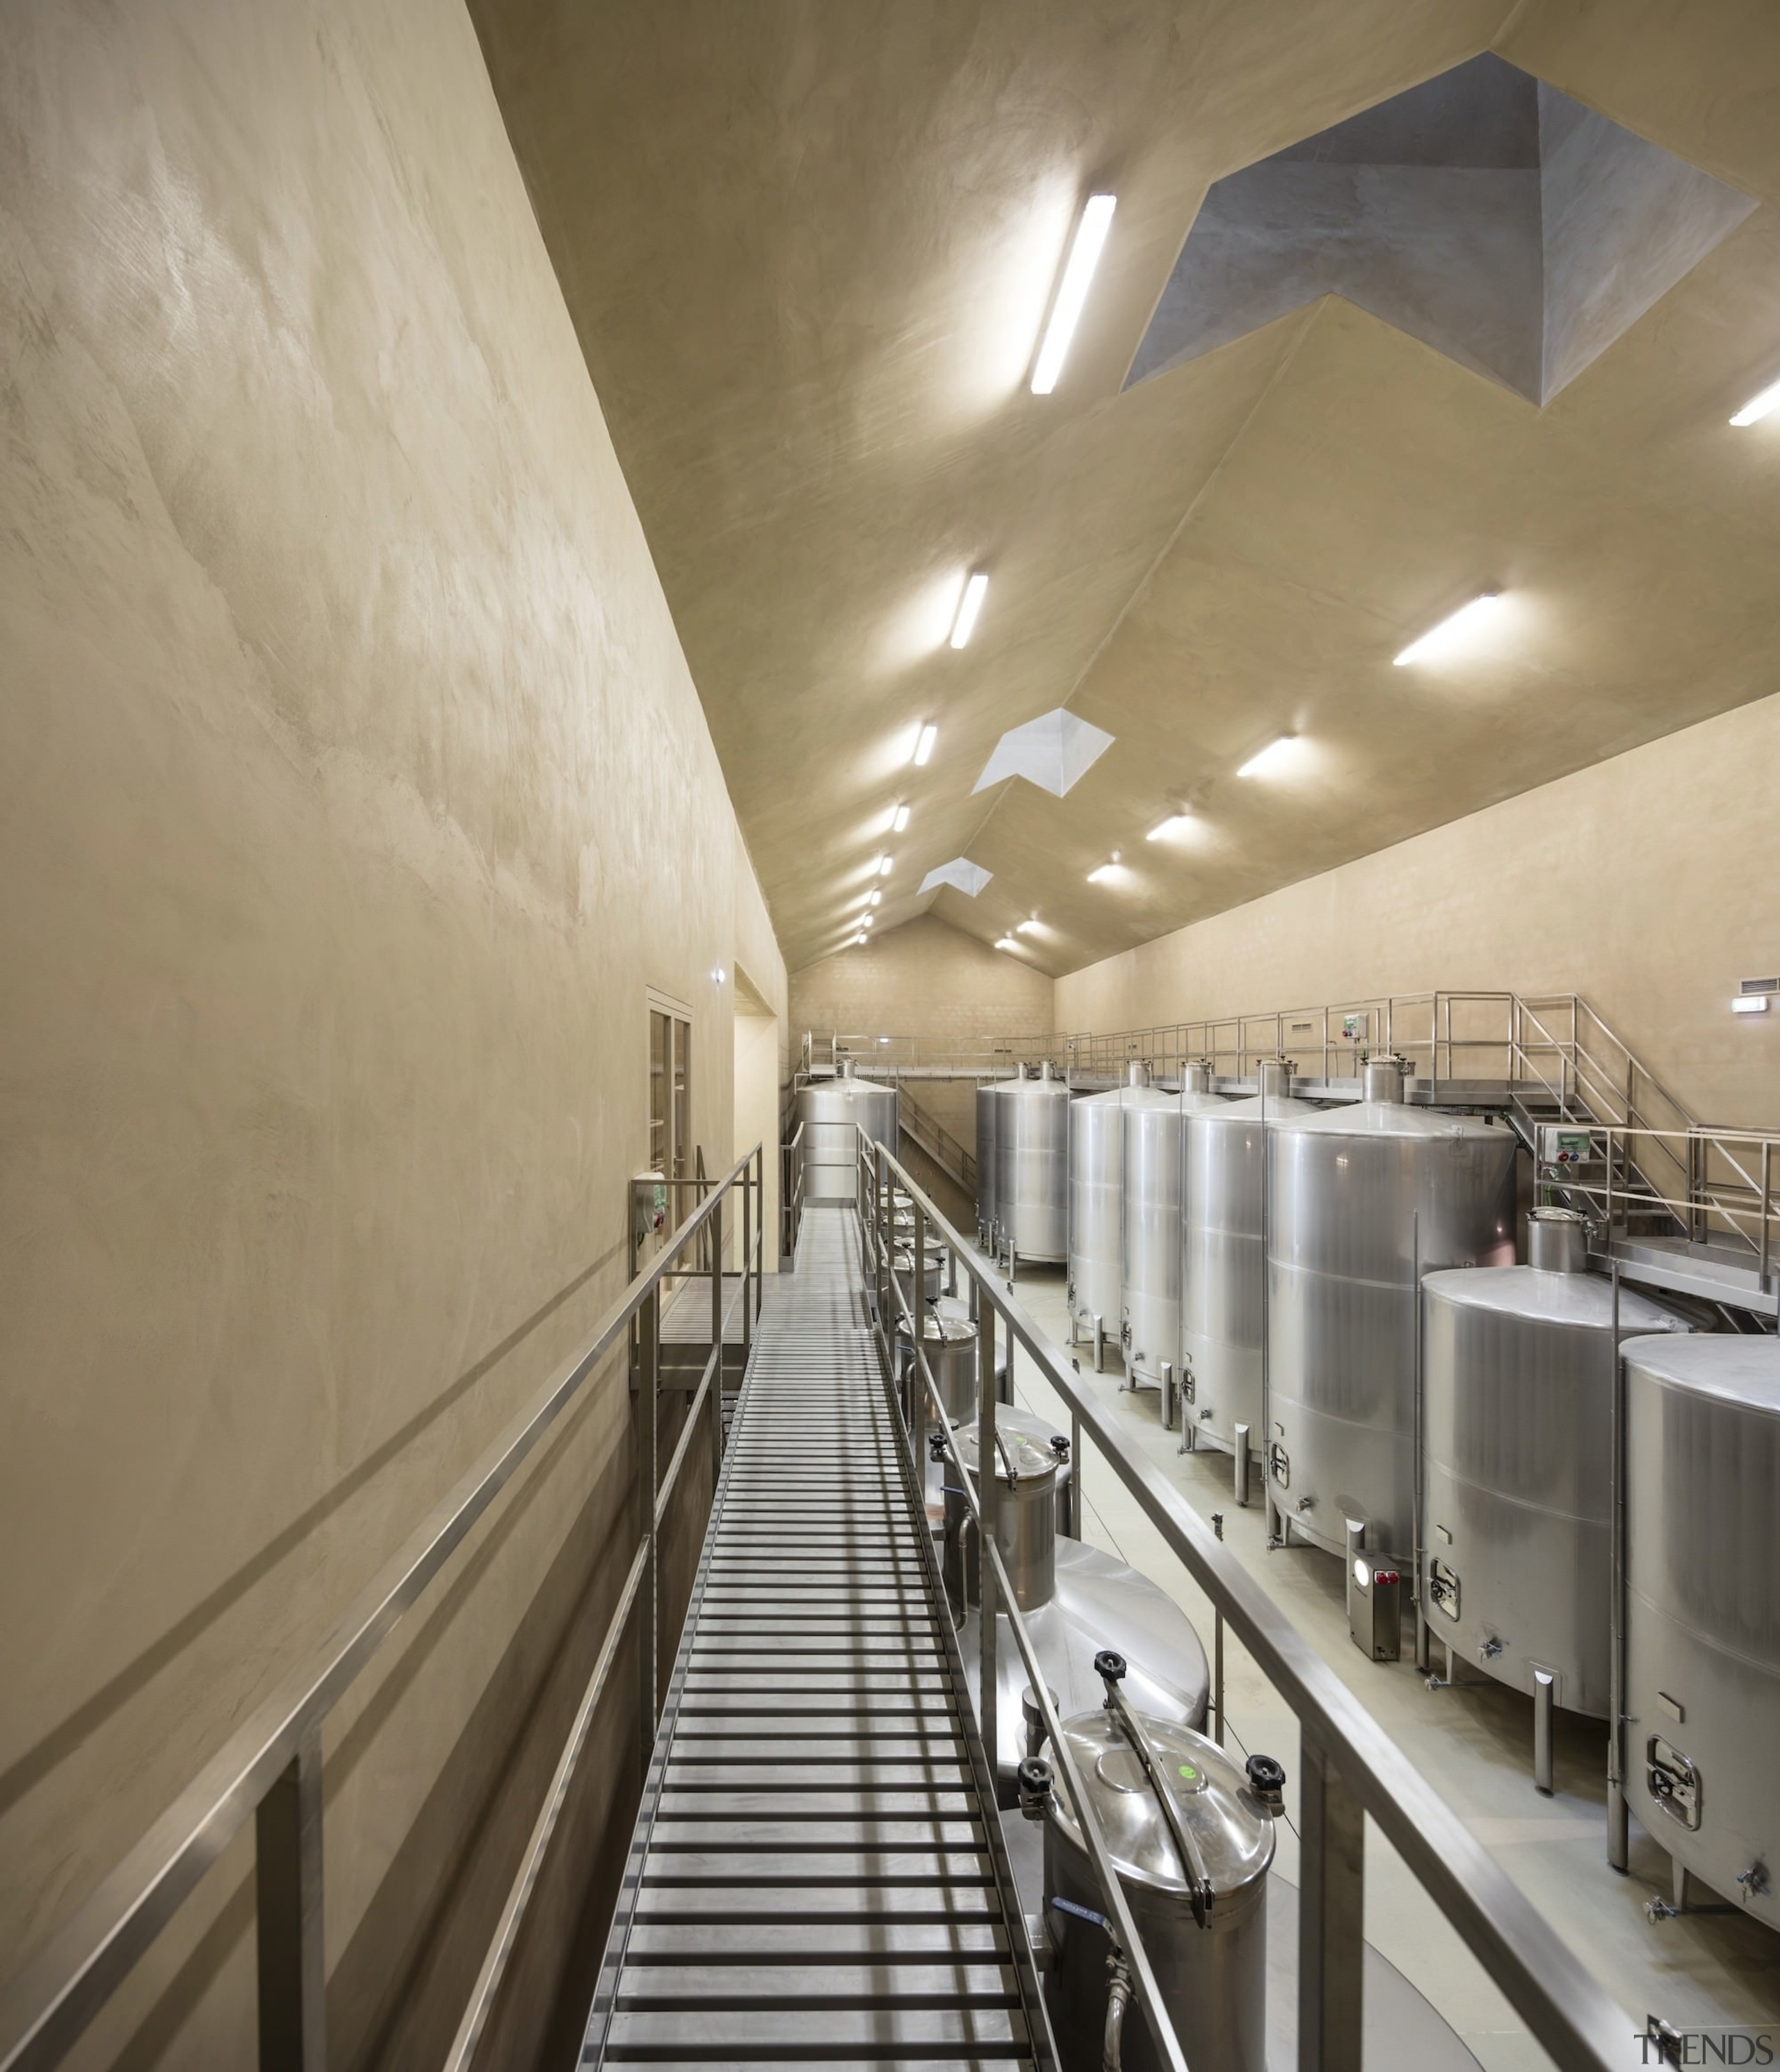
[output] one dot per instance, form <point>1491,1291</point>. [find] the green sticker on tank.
<point>1188,1772</point>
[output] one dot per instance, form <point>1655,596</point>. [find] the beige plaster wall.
<point>352,788</point>
<point>1649,884</point>
<point>924,979</point>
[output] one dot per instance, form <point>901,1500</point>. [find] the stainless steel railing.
<point>790,1192</point>
<point>1348,1767</point>
<point>269,1771</point>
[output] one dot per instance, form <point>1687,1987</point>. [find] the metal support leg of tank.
<point>1099,1345</point>
<point>1544,1702</point>
<point>1424,1643</point>
<point>1679,1885</point>
<point>1171,1405</point>
<point>1240,1458</point>
<point>1619,1840</point>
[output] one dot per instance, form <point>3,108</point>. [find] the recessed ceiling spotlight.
<point>1166,830</point>
<point>1084,255</point>
<point>900,820</point>
<point>1758,407</point>
<point>1028,927</point>
<point>886,866</point>
<point>923,743</point>
<point>1102,872</point>
<point>719,976</point>
<point>1268,757</point>
<point>1457,625</point>
<point>969,604</point>
<point>858,939</point>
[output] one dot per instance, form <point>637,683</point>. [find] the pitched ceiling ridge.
<point>1140,589</point>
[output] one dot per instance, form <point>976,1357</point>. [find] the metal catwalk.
<point>816,1875</point>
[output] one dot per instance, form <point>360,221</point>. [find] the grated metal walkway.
<point>813,1878</point>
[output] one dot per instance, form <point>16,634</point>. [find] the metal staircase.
<point>816,1874</point>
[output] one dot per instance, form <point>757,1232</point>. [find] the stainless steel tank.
<point>1075,1601</point>
<point>986,1113</point>
<point>1096,1173</point>
<point>1702,1596</point>
<point>1032,1167</point>
<point>1517,1432</point>
<point>1223,1271</point>
<point>1150,1224</point>
<point>1359,1199</point>
<point>902,1266</point>
<point>1212,1977</point>
<point>949,1345</point>
<point>833,1112</point>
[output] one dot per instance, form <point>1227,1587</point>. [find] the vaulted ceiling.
<point>809,250</point>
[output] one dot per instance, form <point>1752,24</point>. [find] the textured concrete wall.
<point>352,788</point>
<point>925,979</point>
<point>1647,884</point>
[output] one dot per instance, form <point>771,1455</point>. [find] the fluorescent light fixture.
<point>876,899</point>
<point>1749,1003</point>
<point>1028,927</point>
<point>1166,830</point>
<point>900,820</point>
<point>1084,255</point>
<point>1102,872</point>
<point>858,940</point>
<point>923,743</point>
<point>965,624</point>
<point>1007,943</point>
<point>1757,407</point>
<point>1467,619</point>
<point>885,865</point>
<point>1267,758</point>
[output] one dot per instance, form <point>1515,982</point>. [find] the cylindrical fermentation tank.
<point>902,1266</point>
<point>1361,1201</point>
<point>1702,1598</point>
<point>833,1112</point>
<point>949,1344</point>
<point>1223,1275</point>
<point>1075,1601</point>
<point>986,1099</point>
<point>1096,1172</point>
<point>1213,1978</point>
<point>1517,1430</point>
<point>1032,1167</point>
<point>1150,1222</point>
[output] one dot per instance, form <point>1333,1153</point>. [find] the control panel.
<point>1374,1605</point>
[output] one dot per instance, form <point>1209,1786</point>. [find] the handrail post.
<point>648,1407</point>
<point>917,1393</point>
<point>747,1262</point>
<point>988,1500</point>
<point>288,1904</point>
<point>1331,1914</point>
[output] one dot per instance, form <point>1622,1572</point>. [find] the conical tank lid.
<point>1741,1370</point>
<point>1233,1832</point>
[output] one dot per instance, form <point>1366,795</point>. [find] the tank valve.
<point>1267,1781</point>
<point>1034,1776</point>
<point>1754,1881</point>
<point>1059,1445</point>
<point>1118,1999</point>
<point>1307,1502</point>
<point>1110,1667</point>
<point>1489,1650</point>
<point>936,1446</point>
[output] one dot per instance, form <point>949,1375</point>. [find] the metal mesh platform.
<point>817,1874</point>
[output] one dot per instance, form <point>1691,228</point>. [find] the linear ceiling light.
<point>885,865</point>
<point>923,743</point>
<point>1467,619</point>
<point>1007,943</point>
<point>876,899</point>
<point>1028,927</point>
<point>1103,871</point>
<point>900,821</point>
<point>1166,830</point>
<point>1084,255</point>
<point>1267,758</point>
<point>1757,407</point>
<point>963,623</point>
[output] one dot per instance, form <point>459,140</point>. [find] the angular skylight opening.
<point>1054,752</point>
<point>960,873</point>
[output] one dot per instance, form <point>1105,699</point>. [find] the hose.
<point>1118,1999</point>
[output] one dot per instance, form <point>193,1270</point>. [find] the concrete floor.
<point>1709,1972</point>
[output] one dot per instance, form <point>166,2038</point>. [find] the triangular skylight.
<point>1482,212</point>
<point>1052,752</point>
<point>967,877</point>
